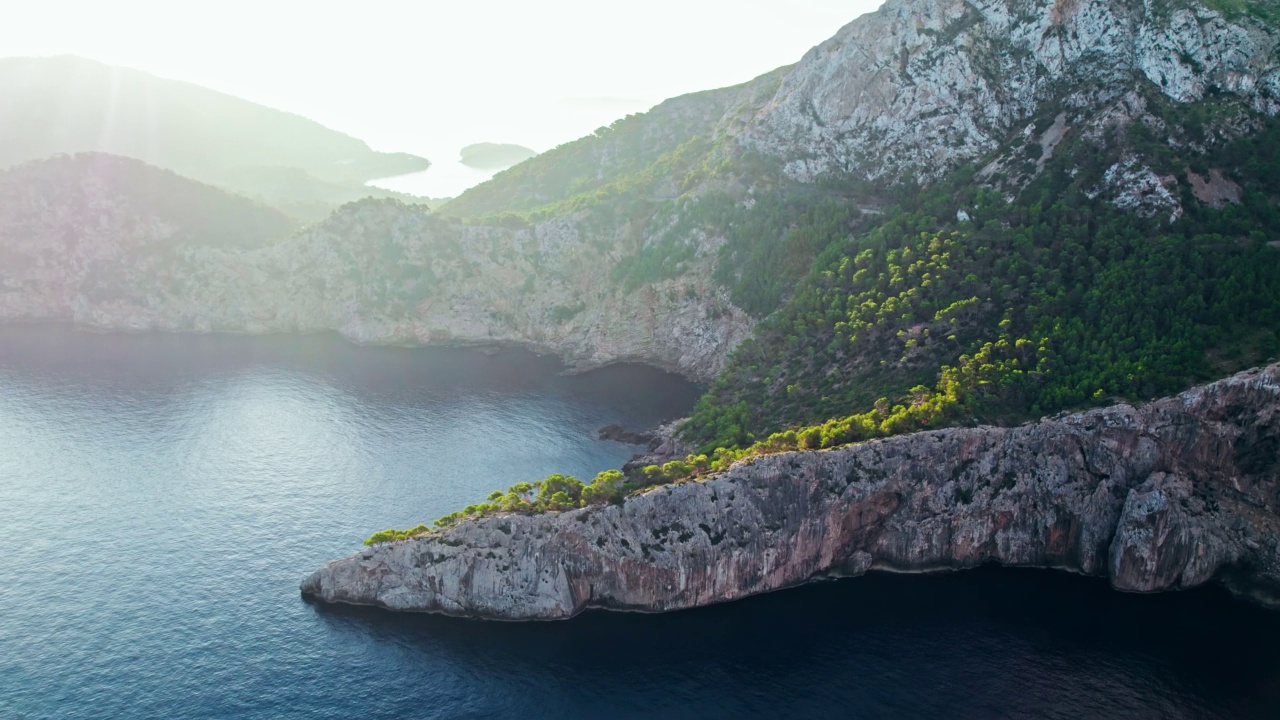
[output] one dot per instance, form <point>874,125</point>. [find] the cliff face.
<point>919,86</point>
<point>1172,495</point>
<point>81,246</point>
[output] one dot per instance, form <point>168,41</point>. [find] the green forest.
<point>1055,301</point>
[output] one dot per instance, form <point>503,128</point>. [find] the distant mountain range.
<point>78,197</point>
<point>64,105</point>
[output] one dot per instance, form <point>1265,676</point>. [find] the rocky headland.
<point>1171,495</point>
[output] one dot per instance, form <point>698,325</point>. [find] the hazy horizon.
<point>429,80</point>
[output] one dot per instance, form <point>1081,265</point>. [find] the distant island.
<point>495,156</point>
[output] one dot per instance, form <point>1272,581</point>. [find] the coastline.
<point>570,365</point>
<point>1170,495</point>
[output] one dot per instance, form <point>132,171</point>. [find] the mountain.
<point>494,156</point>
<point>1043,204</point>
<point>1081,201</point>
<point>375,271</point>
<point>65,104</point>
<point>621,152</point>
<point>302,196</point>
<point>949,214</point>
<point>921,86</point>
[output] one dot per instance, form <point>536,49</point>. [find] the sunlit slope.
<point>83,234</point>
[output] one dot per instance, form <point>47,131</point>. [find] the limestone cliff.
<point>1178,493</point>
<point>920,86</point>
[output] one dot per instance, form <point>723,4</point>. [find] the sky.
<point>429,77</point>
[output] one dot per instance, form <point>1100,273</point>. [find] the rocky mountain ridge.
<point>1178,493</point>
<point>921,86</point>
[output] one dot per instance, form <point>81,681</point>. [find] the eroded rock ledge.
<point>1178,493</point>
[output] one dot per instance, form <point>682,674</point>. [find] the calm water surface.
<point>161,497</point>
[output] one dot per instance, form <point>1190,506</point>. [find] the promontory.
<point>1170,495</point>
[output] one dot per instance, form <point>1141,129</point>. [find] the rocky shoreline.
<point>1174,494</point>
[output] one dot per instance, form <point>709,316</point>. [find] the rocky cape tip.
<point>1170,495</point>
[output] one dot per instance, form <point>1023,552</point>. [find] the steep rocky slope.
<point>920,87</point>
<point>923,85</point>
<point>1172,495</point>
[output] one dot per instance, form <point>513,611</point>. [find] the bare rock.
<point>666,446</point>
<point>1216,190</point>
<point>618,433</point>
<point>1172,495</point>
<point>920,86</point>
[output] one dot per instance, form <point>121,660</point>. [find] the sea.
<point>161,497</point>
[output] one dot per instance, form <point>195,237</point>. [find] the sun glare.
<point>432,77</point>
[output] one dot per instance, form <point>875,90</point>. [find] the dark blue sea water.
<point>161,497</point>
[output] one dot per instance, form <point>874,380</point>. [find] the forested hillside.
<point>1117,239</point>
<point>947,213</point>
<point>958,305</point>
<point>1049,300</point>
<point>956,214</point>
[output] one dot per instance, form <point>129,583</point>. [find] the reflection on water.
<point>161,497</point>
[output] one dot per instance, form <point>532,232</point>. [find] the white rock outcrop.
<point>919,86</point>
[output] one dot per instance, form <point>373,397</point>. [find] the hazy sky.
<point>428,76</point>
